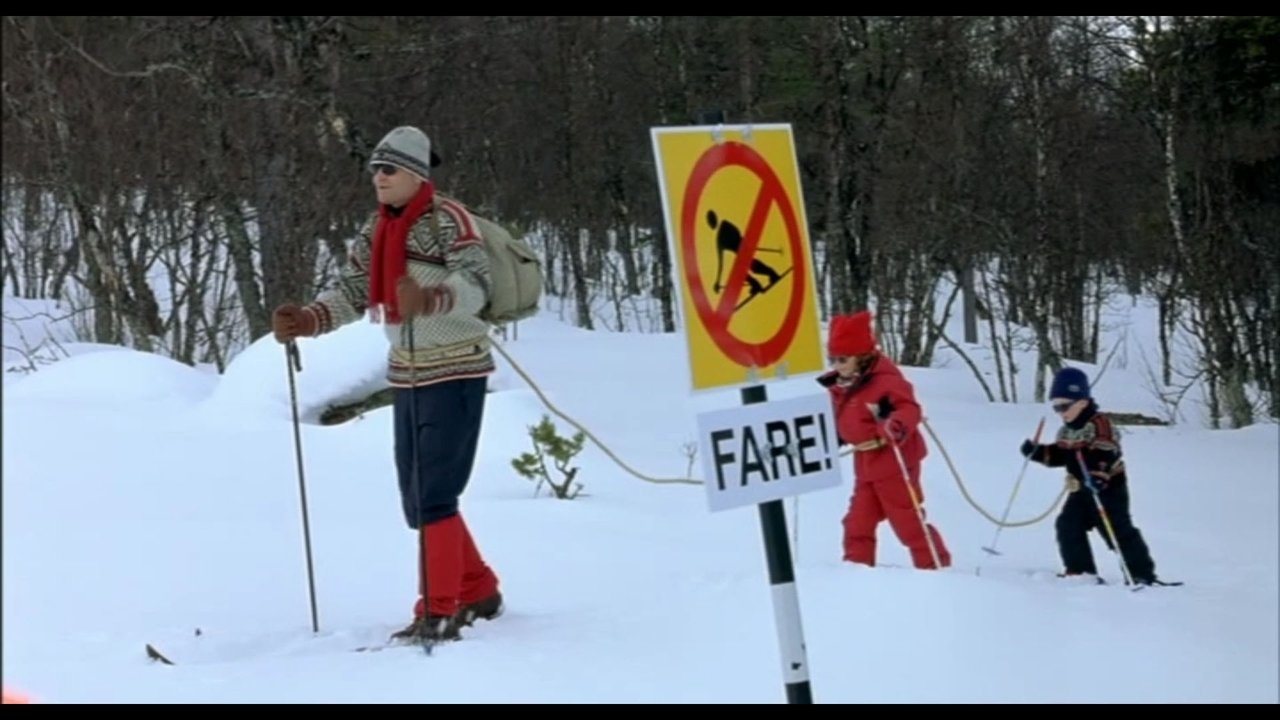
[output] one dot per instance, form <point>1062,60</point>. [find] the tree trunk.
<point>627,249</point>
<point>969,304</point>
<point>240,247</point>
<point>102,306</point>
<point>663,283</point>
<point>581,291</point>
<point>120,299</point>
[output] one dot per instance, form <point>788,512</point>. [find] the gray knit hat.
<point>406,147</point>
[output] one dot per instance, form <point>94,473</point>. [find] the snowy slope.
<point>144,500</point>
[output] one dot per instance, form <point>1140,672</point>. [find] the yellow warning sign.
<point>739,239</point>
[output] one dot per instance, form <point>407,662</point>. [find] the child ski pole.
<point>915,501</point>
<point>1003,518</point>
<point>1106,519</point>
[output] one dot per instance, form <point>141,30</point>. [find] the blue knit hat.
<point>1070,384</point>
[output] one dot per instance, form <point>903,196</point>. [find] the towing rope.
<point>545,401</point>
<point>692,481</point>
<point>974,503</point>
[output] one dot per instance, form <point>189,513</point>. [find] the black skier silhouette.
<point>729,237</point>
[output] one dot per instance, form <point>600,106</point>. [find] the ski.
<point>428,646</point>
<point>1158,583</point>
<point>156,655</point>
<point>1135,587</point>
<point>1058,575</point>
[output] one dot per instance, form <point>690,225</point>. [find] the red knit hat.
<point>851,335</point>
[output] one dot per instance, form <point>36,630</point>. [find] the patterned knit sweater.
<point>444,247</point>
<point>1096,438</point>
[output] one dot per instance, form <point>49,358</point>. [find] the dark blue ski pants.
<point>449,415</point>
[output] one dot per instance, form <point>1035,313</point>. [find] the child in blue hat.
<point>1089,443</point>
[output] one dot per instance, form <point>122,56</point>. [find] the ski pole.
<point>293,359</point>
<point>915,502</point>
<point>1106,519</point>
<point>1026,461</point>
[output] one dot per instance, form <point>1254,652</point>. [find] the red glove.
<point>416,300</point>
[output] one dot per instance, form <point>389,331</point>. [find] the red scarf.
<point>389,261</point>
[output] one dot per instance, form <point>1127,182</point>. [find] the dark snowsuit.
<point>1093,439</point>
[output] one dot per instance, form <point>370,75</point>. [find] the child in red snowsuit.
<point>876,411</point>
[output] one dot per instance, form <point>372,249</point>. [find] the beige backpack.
<point>515,273</point>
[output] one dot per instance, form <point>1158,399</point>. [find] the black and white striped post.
<point>782,582</point>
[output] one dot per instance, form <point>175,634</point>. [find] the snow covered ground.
<point>149,502</point>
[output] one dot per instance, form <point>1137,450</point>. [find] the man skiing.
<point>419,266</point>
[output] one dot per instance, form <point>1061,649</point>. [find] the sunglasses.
<point>839,359</point>
<point>1061,407</point>
<point>385,169</point>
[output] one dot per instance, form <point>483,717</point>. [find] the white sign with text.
<point>755,453</point>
